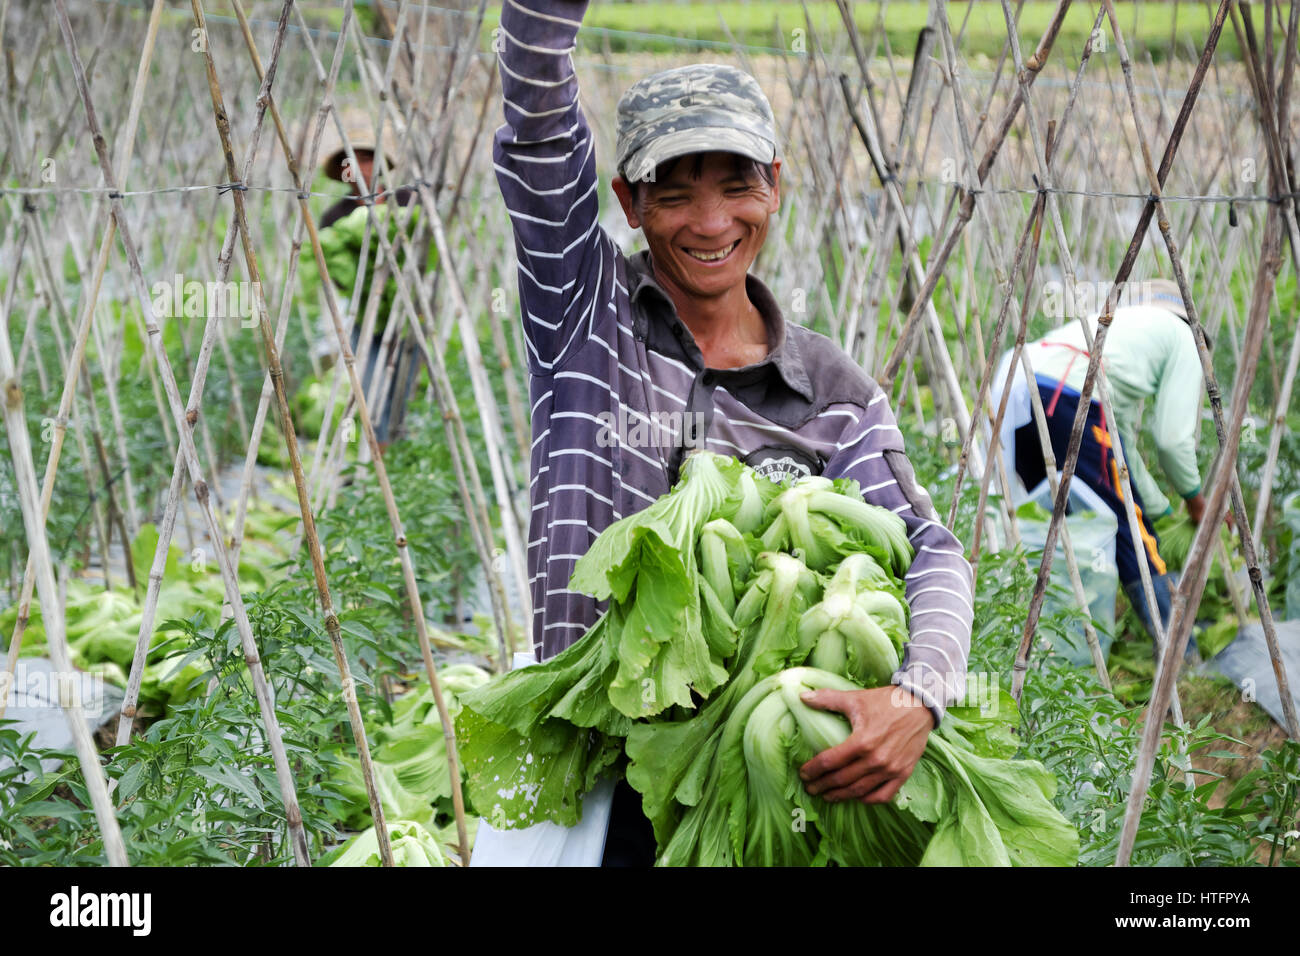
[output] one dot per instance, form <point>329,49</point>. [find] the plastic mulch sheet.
<point>34,705</point>
<point>1246,663</point>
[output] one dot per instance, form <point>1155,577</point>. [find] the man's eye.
<point>670,200</point>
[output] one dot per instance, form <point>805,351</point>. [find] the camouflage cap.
<point>700,108</point>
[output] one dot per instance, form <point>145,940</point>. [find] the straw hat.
<point>360,131</point>
<point>1161,292</point>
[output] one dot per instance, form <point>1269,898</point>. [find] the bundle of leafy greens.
<point>728,598</point>
<point>534,740</point>
<point>411,843</point>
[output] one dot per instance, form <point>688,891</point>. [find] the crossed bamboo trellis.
<point>836,122</point>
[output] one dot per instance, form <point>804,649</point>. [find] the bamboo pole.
<point>275,741</point>
<point>1032,226</point>
<point>100,516</point>
<point>910,109</point>
<point>166,526</point>
<point>947,374</point>
<point>417,609</point>
<point>1094,363</point>
<point>981,395</point>
<point>1029,71</point>
<point>1277,179</point>
<point>331,622</point>
<point>463,459</point>
<point>1094,345</point>
<point>1192,585</point>
<point>1278,422</point>
<point>78,352</point>
<point>52,609</point>
<point>114,514</point>
<point>1018,356</point>
<point>503,480</point>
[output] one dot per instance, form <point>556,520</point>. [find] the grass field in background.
<point>1148,25</point>
<point>769,25</point>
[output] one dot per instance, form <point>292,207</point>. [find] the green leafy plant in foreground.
<point>199,785</point>
<point>1089,740</point>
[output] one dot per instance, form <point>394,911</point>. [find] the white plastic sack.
<point>1093,527</point>
<point>549,844</point>
<point>1019,412</point>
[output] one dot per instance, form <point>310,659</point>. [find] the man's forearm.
<point>546,169</point>
<point>940,599</point>
<point>538,85</point>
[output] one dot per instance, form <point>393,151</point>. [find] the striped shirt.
<point>618,384</point>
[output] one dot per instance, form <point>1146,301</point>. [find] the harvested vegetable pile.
<point>409,755</point>
<point>729,597</point>
<point>103,625</point>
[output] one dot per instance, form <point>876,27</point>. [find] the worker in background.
<point>1155,380</point>
<point>342,233</point>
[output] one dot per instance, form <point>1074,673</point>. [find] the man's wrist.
<point>909,694</point>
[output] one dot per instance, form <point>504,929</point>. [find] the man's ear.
<point>774,203</point>
<point>623,190</point>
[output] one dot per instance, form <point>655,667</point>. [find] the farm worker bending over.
<point>682,333</point>
<point>1150,357</point>
<point>343,228</point>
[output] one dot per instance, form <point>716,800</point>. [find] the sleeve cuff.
<point>911,683</point>
<point>1188,496</point>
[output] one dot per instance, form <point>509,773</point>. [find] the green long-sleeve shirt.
<point>1149,356</point>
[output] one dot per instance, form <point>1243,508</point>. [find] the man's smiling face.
<point>704,217</point>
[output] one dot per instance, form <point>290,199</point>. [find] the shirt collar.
<point>784,355</point>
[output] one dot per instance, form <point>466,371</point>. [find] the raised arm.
<point>546,168</point>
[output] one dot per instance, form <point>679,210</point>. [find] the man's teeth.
<point>712,256</point>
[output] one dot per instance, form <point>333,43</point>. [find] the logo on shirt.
<point>782,464</point>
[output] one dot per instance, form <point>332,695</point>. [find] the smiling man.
<point>683,333</point>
